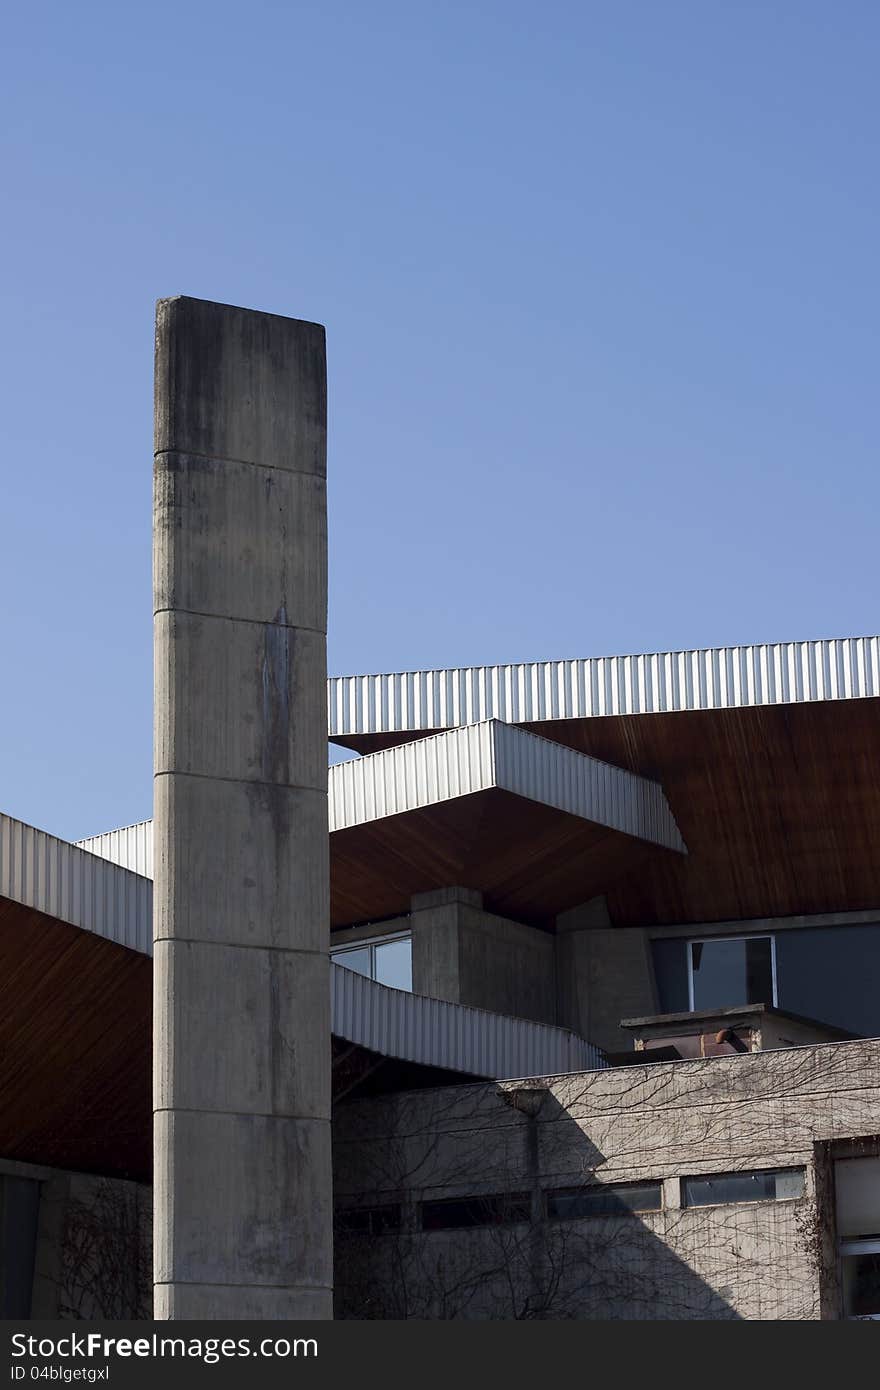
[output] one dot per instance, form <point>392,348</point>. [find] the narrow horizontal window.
<point>765,1185</point>
<point>388,960</point>
<point>576,1203</point>
<point>369,1221</point>
<point>457,1212</point>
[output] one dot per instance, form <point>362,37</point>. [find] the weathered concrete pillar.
<point>241,920</point>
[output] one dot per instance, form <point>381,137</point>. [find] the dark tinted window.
<point>825,973</point>
<point>19,1209</point>
<point>670,972</point>
<point>861,1285</point>
<point>373,1221</point>
<point>732,972</point>
<point>456,1212</point>
<point>576,1203</point>
<point>831,974</point>
<point>768,1185</point>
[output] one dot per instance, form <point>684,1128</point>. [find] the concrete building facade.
<point>672,1190</point>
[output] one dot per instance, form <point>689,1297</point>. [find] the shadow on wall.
<point>91,1242</point>
<point>442,1214</point>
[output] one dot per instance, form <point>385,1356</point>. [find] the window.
<point>725,971</point>
<point>386,959</point>
<point>830,974</point>
<point>824,973</point>
<point>369,1221</point>
<point>860,1271</point>
<point>454,1213</point>
<point>671,974</point>
<point>857,1192</point>
<point>19,1210</point>
<point>766,1185</point>
<point>576,1203</point>
<point>359,960</point>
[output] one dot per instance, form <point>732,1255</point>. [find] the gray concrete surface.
<point>603,974</point>
<point>241,915</point>
<point>467,955</point>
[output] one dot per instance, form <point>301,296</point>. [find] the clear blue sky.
<point>601,295</point>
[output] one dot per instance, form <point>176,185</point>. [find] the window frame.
<point>370,943</point>
<point>606,1191</point>
<point>853,1245</point>
<point>692,941</point>
<point>741,1201</point>
<point>856,1245</point>
<point>382,1219</point>
<point>519,1203</point>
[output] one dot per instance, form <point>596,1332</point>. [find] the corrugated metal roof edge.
<point>89,892</point>
<point>604,656</point>
<point>659,682</point>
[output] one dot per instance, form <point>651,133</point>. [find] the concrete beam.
<point>243,1224</point>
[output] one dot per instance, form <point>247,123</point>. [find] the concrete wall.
<point>660,1122</point>
<point>469,956</point>
<point>92,1254</point>
<point>94,1251</point>
<point>586,977</point>
<point>603,974</point>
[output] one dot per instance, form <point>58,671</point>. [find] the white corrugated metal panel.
<point>66,882</point>
<point>711,678</point>
<point>558,776</point>
<point>453,1036</point>
<point>412,775</point>
<point>131,847</point>
<point>492,754</point>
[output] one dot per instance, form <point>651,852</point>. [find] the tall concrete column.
<point>241,920</point>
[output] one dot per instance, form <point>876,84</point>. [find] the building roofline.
<point>608,656</point>
<point>659,682</point>
<point>85,890</point>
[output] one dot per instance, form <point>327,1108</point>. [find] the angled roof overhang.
<point>534,826</point>
<point>75,1007</point>
<point>76,1025</point>
<point>767,755</point>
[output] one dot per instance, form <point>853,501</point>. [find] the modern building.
<point>604,1005</point>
